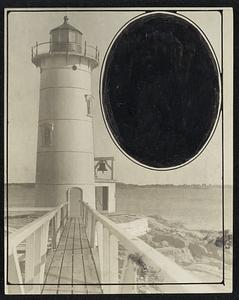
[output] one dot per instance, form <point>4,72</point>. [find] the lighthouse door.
<point>102,198</point>
<point>75,196</point>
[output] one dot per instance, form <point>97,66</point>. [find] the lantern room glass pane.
<point>55,36</point>
<point>78,38</point>
<point>72,41</point>
<point>72,37</point>
<point>64,36</point>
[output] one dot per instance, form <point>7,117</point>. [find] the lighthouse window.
<point>88,108</point>
<point>47,133</point>
<point>47,137</point>
<point>89,105</point>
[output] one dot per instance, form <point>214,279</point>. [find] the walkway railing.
<point>117,273</point>
<point>105,237</point>
<point>25,276</point>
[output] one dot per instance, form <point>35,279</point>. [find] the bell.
<point>102,167</point>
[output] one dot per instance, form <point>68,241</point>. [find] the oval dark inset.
<point>160,90</point>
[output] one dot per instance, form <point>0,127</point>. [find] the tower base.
<point>52,195</point>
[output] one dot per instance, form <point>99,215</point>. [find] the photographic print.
<point>119,146</point>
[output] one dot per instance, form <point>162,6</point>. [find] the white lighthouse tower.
<point>65,154</point>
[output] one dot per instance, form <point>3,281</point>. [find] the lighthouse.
<point>65,152</point>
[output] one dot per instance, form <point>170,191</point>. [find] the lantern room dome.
<point>65,26</point>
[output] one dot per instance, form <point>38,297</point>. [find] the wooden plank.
<point>78,269</point>
<point>84,243</point>
<point>69,244</point>
<point>84,240</point>
<point>66,267</point>
<point>79,286</point>
<point>53,274</point>
<point>67,259</point>
<point>71,232</point>
<point>90,274</point>
<point>89,266</point>
<point>87,259</point>
<point>70,236</point>
<point>66,275</point>
<point>77,244</point>
<point>75,269</point>
<point>62,242</point>
<point>57,258</point>
<point>61,245</point>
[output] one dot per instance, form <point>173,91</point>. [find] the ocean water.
<point>196,208</point>
<point>21,195</point>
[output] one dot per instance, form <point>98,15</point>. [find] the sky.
<point>99,28</point>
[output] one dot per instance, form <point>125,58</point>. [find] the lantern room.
<point>65,38</point>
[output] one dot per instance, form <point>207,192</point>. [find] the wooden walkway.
<point>71,268</point>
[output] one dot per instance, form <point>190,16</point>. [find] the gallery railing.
<point>25,275</point>
<point>85,50</point>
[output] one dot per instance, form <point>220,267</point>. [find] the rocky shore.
<point>199,251</point>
